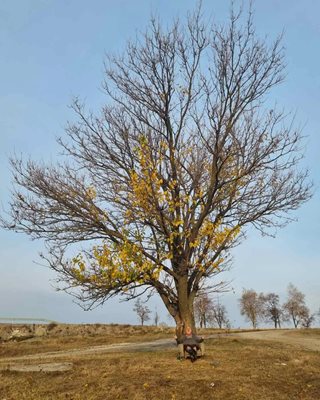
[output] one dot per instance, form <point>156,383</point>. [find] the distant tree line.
<point>210,312</point>
<point>257,307</point>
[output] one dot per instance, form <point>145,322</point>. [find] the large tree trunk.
<point>180,307</point>
<point>295,322</point>
<point>183,320</point>
<point>185,315</point>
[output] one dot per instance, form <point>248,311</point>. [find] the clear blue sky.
<point>52,50</point>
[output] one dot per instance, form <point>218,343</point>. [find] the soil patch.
<point>285,336</point>
<point>47,367</point>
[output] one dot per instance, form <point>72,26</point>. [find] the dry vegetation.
<point>314,333</point>
<point>233,368</point>
<point>69,336</point>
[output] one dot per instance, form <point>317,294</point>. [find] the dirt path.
<point>143,346</point>
<point>284,336</point>
<point>310,343</point>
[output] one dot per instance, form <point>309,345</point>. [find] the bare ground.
<point>142,346</point>
<point>273,365</point>
<point>283,336</point>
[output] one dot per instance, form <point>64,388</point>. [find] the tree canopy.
<point>252,306</point>
<point>164,181</point>
<point>296,308</point>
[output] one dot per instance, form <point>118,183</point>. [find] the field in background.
<point>233,368</point>
<point>55,337</point>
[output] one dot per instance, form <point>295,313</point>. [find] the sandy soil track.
<point>108,348</point>
<point>283,336</point>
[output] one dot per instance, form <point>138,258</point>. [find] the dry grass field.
<point>233,368</point>
<point>68,336</point>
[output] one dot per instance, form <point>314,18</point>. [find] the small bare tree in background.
<point>307,318</point>
<point>210,313</point>
<point>295,306</point>
<point>156,318</point>
<point>220,315</point>
<point>252,306</point>
<point>203,309</point>
<point>142,311</point>
<point>272,309</point>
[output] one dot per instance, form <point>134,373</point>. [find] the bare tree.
<point>307,318</point>
<point>203,306</point>
<point>220,315</point>
<point>142,311</point>
<point>272,309</point>
<point>209,312</point>
<point>156,318</point>
<point>295,305</point>
<point>160,185</point>
<point>252,306</point>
